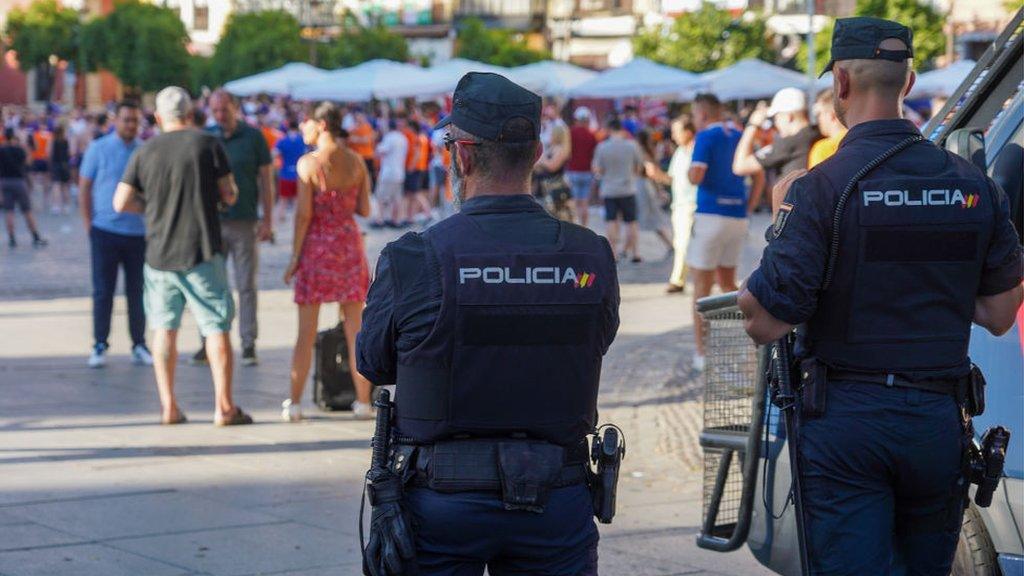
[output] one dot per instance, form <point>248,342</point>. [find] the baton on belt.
<point>784,397</point>
<point>378,462</point>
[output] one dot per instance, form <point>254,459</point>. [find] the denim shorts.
<point>204,288</point>
<point>580,183</point>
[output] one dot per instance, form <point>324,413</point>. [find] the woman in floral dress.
<point>328,258</point>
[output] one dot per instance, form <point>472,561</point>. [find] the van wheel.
<point>975,553</point>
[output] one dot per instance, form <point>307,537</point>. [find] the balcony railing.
<point>500,9</point>
<point>309,13</point>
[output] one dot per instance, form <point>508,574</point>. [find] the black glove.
<point>390,550</point>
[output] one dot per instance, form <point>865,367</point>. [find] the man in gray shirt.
<point>617,163</point>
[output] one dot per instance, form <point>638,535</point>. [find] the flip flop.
<point>237,418</point>
<point>181,419</point>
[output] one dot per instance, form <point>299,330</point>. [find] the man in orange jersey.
<point>362,139</point>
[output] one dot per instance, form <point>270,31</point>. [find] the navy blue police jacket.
<point>492,323</point>
<point>920,238</point>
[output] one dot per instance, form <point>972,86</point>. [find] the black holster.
<point>813,379</point>
<point>607,452</point>
<point>987,460</point>
<point>974,402</point>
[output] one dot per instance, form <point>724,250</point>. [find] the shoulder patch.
<point>785,209</point>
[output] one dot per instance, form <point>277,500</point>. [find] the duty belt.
<point>950,386</point>
<point>473,465</point>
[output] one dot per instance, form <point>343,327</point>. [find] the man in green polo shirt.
<point>242,225</point>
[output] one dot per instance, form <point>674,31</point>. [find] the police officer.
<point>492,324</point>
<point>886,280</point>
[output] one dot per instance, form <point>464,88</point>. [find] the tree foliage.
<point>144,45</point>
<point>42,31</point>
<point>357,44</point>
<point>822,50</point>
<point>498,47</point>
<point>41,34</point>
<point>200,73</point>
<point>256,41</point>
<point>922,18</point>
<point>707,39</point>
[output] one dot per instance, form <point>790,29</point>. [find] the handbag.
<point>556,188</point>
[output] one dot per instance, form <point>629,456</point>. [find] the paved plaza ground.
<point>91,485</point>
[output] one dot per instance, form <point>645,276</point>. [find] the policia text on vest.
<point>887,253</point>
<point>492,325</point>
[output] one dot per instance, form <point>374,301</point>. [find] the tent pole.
<point>812,65</point>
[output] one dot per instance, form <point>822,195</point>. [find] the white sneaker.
<point>291,412</point>
<point>698,363</point>
<point>141,355</point>
<point>98,358</point>
<point>363,411</point>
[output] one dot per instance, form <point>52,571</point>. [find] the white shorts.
<point>388,191</point>
<point>716,241</point>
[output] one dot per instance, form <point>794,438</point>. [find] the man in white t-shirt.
<point>391,151</point>
<point>684,200</point>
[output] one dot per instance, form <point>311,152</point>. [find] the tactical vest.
<point>517,347</point>
<point>912,248</point>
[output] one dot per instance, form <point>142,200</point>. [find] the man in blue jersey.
<point>720,222</point>
<point>289,149</point>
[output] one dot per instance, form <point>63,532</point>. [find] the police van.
<point>747,477</point>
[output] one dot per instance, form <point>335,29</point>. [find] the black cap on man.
<point>492,107</point>
<point>861,38</point>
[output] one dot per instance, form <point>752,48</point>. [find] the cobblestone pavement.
<point>89,485</point>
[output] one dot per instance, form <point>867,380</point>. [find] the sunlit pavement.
<point>90,484</point>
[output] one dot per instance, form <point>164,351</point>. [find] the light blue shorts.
<point>580,183</point>
<point>204,288</point>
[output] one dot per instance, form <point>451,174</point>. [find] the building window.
<point>201,18</point>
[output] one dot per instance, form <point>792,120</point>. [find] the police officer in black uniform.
<point>885,253</point>
<point>492,325</point>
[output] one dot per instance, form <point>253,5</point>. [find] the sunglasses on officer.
<point>450,140</point>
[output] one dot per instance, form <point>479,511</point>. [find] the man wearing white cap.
<point>177,180</point>
<point>788,153</point>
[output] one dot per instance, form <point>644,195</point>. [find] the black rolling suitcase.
<point>332,375</point>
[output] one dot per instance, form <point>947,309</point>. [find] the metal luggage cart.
<point>734,401</point>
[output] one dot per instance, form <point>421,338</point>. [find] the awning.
<point>278,81</point>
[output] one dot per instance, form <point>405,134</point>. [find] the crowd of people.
<point>690,177</point>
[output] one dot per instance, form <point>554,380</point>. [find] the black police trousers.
<point>884,481</point>
<point>461,534</point>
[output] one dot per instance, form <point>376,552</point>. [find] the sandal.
<point>237,418</point>
<point>181,419</point>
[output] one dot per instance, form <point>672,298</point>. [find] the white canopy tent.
<point>453,70</point>
<point>375,79</point>
<point>942,82</point>
<point>278,81</point>
<point>551,78</point>
<point>639,77</point>
<point>749,79</point>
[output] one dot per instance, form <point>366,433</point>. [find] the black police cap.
<point>859,39</point>
<point>485,103</point>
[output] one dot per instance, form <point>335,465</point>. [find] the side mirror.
<point>1008,174</point>
<point>968,143</point>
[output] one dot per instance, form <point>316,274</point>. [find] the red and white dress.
<point>332,265</point>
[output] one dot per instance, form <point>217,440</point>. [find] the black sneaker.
<point>199,359</point>
<point>39,243</point>
<point>249,356</point>
<point>12,243</point>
